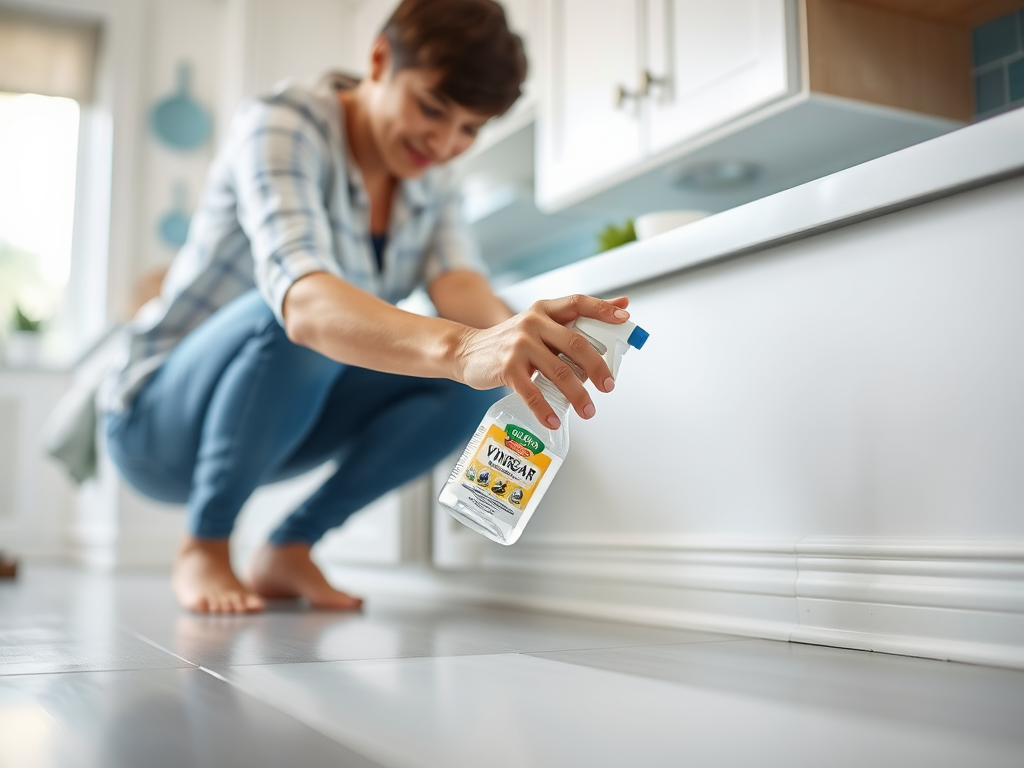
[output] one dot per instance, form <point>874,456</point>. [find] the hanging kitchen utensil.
<point>173,226</point>
<point>179,121</point>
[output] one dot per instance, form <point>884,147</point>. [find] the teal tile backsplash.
<point>996,40</point>
<point>998,51</point>
<point>990,91</point>
<point>1015,78</point>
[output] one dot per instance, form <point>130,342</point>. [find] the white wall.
<point>292,39</point>
<point>368,19</point>
<point>824,439</point>
<point>865,382</point>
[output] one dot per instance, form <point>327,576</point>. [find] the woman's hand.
<point>509,353</point>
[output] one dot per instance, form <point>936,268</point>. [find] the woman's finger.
<point>531,395</point>
<point>562,340</point>
<point>563,311</point>
<point>561,374</point>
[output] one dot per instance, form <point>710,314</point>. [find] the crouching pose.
<point>275,345</point>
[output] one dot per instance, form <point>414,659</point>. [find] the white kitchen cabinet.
<point>710,63</point>
<point>789,90</point>
<point>627,79</point>
<point>36,501</point>
<point>589,49</point>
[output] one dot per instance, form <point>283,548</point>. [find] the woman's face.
<point>414,125</point>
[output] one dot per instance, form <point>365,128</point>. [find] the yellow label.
<point>507,469</point>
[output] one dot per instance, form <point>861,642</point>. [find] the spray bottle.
<point>512,458</point>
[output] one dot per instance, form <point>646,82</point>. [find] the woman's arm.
<point>466,297</point>
<point>327,314</point>
<point>338,320</point>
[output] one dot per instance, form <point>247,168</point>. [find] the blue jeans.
<point>237,405</point>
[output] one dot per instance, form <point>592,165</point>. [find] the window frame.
<point>105,232</point>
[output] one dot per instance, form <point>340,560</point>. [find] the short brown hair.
<point>481,61</point>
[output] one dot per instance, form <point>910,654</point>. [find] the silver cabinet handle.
<point>622,95</point>
<point>647,81</point>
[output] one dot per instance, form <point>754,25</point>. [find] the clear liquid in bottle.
<point>508,466</point>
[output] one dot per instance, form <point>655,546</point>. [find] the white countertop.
<point>970,157</point>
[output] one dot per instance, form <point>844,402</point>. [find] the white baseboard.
<point>102,547</point>
<point>956,600</point>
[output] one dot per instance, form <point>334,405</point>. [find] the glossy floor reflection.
<point>106,671</point>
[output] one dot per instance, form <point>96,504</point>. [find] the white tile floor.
<point>106,671</point>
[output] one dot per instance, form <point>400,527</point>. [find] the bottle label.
<point>500,470</point>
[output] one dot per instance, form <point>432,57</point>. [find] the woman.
<point>276,346</point>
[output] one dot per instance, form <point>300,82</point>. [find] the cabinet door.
<point>719,60</point>
<point>588,48</point>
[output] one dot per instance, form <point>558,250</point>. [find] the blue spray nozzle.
<point>638,338</point>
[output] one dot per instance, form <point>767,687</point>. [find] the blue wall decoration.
<point>173,225</point>
<point>178,120</point>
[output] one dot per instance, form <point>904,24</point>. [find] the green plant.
<point>25,323</point>
<point>613,236</point>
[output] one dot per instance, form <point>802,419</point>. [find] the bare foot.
<point>203,581</point>
<point>288,571</point>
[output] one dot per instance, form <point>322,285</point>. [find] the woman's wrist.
<point>454,350</point>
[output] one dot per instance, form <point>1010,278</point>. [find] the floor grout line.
<point>154,644</point>
<point>276,705</point>
<point>649,645</point>
<point>91,671</point>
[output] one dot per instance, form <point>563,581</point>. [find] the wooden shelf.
<point>878,52</point>
<point>960,13</point>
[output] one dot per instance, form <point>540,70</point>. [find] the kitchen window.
<point>46,81</point>
<point>38,164</point>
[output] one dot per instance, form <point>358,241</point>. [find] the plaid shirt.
<point>283,199</point>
